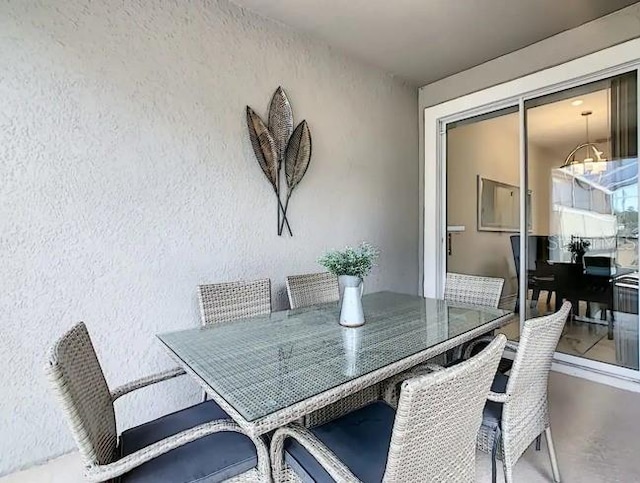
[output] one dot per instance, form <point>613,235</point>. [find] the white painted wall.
<point>128,179</point>
<point>591,37</point>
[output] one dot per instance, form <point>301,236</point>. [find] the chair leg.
<point>204,396</point>
<point>508,473</point>
<point>494,455</point>
<point>552,455</point>
<point>534,297</point>
<point>549,294</point>
<point>538,443</point>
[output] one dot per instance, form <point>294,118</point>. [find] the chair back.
<point>538,251</point>
<point>438,418</point>
<point>602,266</point>
<point>77,379</point>
<point>527,386</point>
<point>222,302</point>
<point>515,249</point>
<point>473,290</point>
<point>312,289</point>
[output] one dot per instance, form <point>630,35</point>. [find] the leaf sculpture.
<point>296,160</point>
<point>280,126</point>
<point>280,121</point>
<point>264,147</point>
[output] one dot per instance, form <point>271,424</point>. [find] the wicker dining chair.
<point>222,302</point>
<point>462,289</point>
<point>473,290</point>
<point>319,288</point>
<point>430,438</point>
<point>312,289</point>
<point>227,301</point>
<point>189,445</point>
<point>517,411</point>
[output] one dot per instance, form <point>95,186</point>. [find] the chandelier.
<point>593,161</point>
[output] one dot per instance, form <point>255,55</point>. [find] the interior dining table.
<point>270,370</point>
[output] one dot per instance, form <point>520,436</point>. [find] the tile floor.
<point>595,428</point>
<point>579,338</point>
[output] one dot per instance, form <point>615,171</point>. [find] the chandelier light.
<point>593,161</point>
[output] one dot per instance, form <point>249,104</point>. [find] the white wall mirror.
<point>499,206</point>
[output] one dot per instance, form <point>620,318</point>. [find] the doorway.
<point>542,169</point>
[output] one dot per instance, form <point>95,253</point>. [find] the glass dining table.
<point>269,370</point>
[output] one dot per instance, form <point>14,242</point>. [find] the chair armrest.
<point>499,397</point>
<point>472,345</point>
<point>511,345</point>
<point>323,455</point>
<point>391,392</point>
<point>146,381</point>
<point>434,367</point>
<point>127,463</point>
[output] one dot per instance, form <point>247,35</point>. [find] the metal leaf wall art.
<point>278,143</point>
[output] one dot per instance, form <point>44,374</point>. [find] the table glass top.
<point>266,363</point>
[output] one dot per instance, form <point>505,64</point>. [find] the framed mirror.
<point>499,206</point>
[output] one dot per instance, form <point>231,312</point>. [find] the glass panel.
<point>483,201</point>
<point>264,364</point>
<point>582,170</point>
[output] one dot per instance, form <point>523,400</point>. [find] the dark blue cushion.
<point>492,414</point>
<point>359,439</point>
<point>212,458</point>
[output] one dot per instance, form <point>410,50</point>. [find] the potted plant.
<point>578,247</point>
<point>351,265</point>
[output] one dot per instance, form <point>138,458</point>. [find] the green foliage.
<point>351,261</point>
<point>578,246</point>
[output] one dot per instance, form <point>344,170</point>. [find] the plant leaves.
<point>264,147</point>
<point>280,121</point>
<point>298,155</point>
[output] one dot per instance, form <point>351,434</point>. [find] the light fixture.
<point>577,102</point>
<point>593,162</point>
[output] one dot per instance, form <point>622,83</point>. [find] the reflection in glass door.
<point>483,200</point>
<point>582,245</point>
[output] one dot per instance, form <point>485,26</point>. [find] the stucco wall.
<point>128,179</point>
<point>591,37</point>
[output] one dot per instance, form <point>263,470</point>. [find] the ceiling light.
<point>577,102</point>
<point>593,160</point>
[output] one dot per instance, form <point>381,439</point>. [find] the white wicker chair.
<point>222,302</point>
<point>473,290</point>
<point>517,410</point>
<point>200,437</point>
<point>430,438</point>
<point>319,288</point>
<point>312,289</point>
<point>462,289</point>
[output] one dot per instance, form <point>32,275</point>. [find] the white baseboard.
<point>596,376</point>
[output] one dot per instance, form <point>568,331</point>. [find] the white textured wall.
<point>128,179</point>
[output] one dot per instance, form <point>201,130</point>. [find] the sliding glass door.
<point>582,215</point>
<point>563,142</point>
<point>554,177</point>
<point>482,200</point>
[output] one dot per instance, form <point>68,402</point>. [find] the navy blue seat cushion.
<point>359,439</point>
<point>212,458</point>
<point>492,414</point>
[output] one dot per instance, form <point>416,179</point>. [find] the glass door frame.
<point>593,67</point>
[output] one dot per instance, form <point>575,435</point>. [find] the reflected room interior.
<point>582,212</point>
